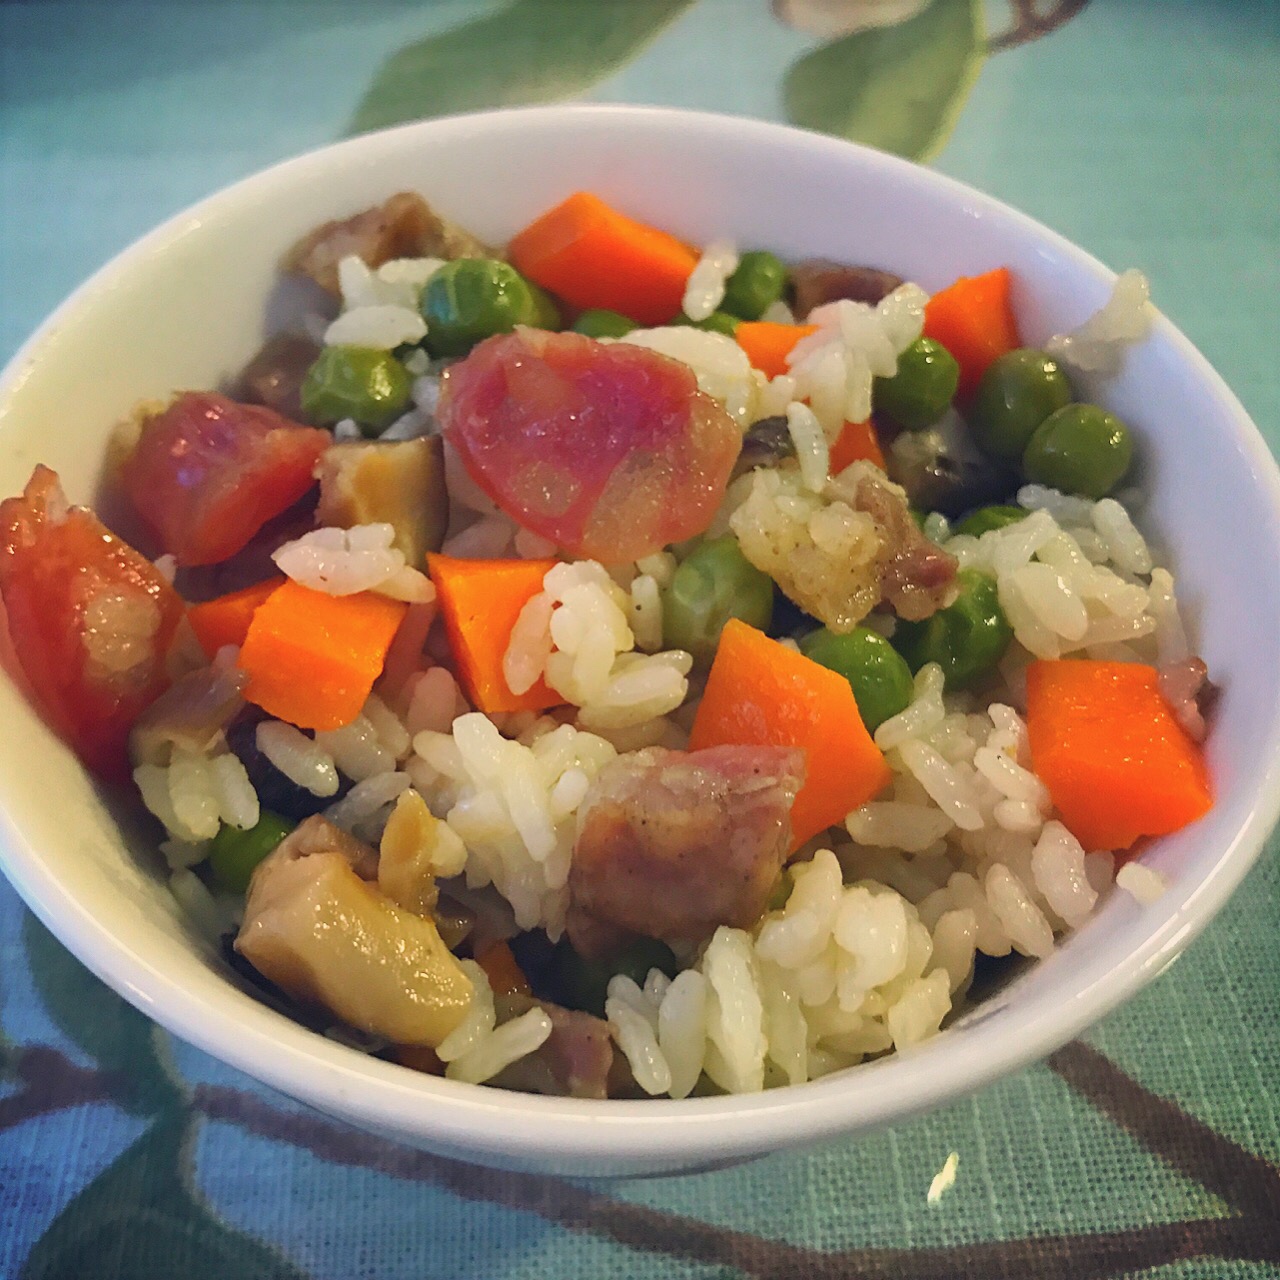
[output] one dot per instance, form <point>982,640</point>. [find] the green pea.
<point>920,392</point>
<point>234,853</point>
<point>966,639</point>
<point>716,582</point>
<point>985,519</point>
<point>599,323</point>
<point>877,673</point>
<point>1019,390</point>
<point>716,322</point>
<point>756,284</point>
<point>1079,449</point>
<point>371,386</point>
<point>471,299</point>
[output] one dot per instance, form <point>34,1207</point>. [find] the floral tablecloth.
<point>1146,130</point>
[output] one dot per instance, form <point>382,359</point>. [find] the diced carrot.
<point>856,443</point>
<point>768,344</point>
<point>504,974</point>
<point>590,255</point>
<point>312,658</point>
<point>225,620</point>
<point>761,693</point>
<point>1116,762</point>
<point>973,319</point>
<point>481,600</point>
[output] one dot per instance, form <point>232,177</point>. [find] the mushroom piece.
<point>942,469</point>
<point>275,375</point>
<point>817,281</point>
<point>400,483</point>
<point>417,847</point>
<point>318,927</point>
<point>189,715</point>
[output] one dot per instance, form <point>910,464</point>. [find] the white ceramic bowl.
<point>187,306</point>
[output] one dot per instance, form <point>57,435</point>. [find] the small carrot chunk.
<point>768,344</point>
<point>760,693</point>
<point>856,442</point>
<point>504,974</point>
<point>589,254</point>
<point>312,658</point>
<point>480,601</point>
<point>973,319</point>
<point>1116,762</point>
<point>225,620</point>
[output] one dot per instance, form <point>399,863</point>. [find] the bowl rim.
<point>490,1124</point>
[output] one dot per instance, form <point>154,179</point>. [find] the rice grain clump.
<point>478,1048</point>
<point>512,804</point>
<point>833,369</point>
<point>342,562</point>
<point>380,307</point>
<point>840,973</point>
<point>823,553</point>
<point>577,634</point>
<point>1076,577</point>
<point>704,291</point>
<point>1098,345</point>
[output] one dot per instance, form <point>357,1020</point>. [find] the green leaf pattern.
<point>529,52</point>
<point>899,88</point>
<point>140,1218</point>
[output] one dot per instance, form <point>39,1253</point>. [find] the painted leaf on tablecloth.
<point>120,1040</point>
<point>898,87</point>
<point>531,51</point>
<point>139,1219</point>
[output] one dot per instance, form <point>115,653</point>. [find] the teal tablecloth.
<point>1146,130</point>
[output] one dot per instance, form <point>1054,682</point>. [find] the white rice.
<point>298,757</point>
<point>577,634</point>
<point>342,562</point>
<point>380,307</point>
<point>633,1022</point>
<point>496,795</point>
<point>1098,345</point>
<point>704,291</point>
<point>478,1049</point>
<point>209,915</point>
<point>791,1000</point>
<point>237,800</point>
<point>380,327</point>
<point>812,452</point>
<point>1143,883</point>
<point>833,369</point>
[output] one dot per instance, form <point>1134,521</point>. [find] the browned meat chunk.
<point>673,844</point>
<point>405,226</point>
<point>574,1061</point>
<point>1185,686</point>
<point>819,280</point>
<point>274,376</point>
<point>917,576</point>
